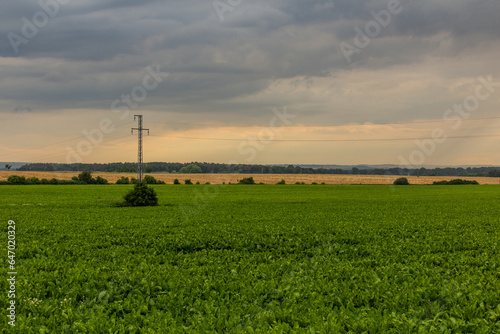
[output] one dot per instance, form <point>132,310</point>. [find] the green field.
<point>255,259</point>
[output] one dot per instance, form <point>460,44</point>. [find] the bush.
<point>176,181</point>
<point>33,180</point>
<point>207,183</point>
<point>197,182</point>
<point>86,177</point>
<point>314,183</point>
<point>141,195</point>
<point>100,180</point>
<point>54,181</point>
<point>149,179</point>
<point>44,181</point>
<point>188,181</point>
<point>247,180</point>
<point>282,182</point>
<point>123,180</point>
<point>402,181</point>
<point>455,182</point>
<point>75,178</point>
<point>14,179</point>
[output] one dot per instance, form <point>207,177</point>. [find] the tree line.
<point>217,168</point>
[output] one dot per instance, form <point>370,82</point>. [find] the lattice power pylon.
<point>139,157</point>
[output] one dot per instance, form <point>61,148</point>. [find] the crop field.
<point>254,259</point>
<point>259,178</point>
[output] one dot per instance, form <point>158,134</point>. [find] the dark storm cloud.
<point>93,51</point>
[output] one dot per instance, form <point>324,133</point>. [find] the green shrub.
<point>33,180</point>
<point>247,180</point>
<point>314,183</point>
<point>149,179</point>
<point>197,182</point>
<point>14,179</point>
<point>100,180</point>
<point>86,177</point>
<point>455,182</point>
<point>188,181</point>
<point>207,183</point>
<point>44,181</point>
<point>402,181</point>
<point>123,180</point>
<point>176,181</point>
<point>281,182</point>
<point>141,195</point>
<point>75,178</point>
<point>54,181</point>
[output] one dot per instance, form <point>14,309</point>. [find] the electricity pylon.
<point>139,157</point>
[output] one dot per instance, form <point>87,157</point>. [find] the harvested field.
<point>264,178</point>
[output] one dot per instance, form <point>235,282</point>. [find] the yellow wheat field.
<point>264,178</point>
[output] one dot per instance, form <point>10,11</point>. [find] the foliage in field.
<point>268,259</point>
<point>455,182</point>
<point>402,181</point>
<point>247,180</point>
<point>151,180</point>
<point>141,195</point>
<point>123,180</point>
<point>82,178</point>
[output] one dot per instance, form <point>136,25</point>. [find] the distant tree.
<point>149,179</point>
<point>8,167</point>
<point>149,169</point>
<point>247,180</point>
<point>14,179</point>
<point>402,181</point>
<point>100,180</point>
<point>123,180</point>
<point>85,177</point>
<point>190,169</point>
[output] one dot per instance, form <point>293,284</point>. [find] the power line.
<point>329,125</point>
<point>333,140</point>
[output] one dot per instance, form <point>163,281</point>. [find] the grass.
<point>256,259</point>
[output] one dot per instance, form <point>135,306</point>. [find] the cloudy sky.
<point>415,82</point>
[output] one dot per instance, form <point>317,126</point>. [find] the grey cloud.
<point>93,51</point>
